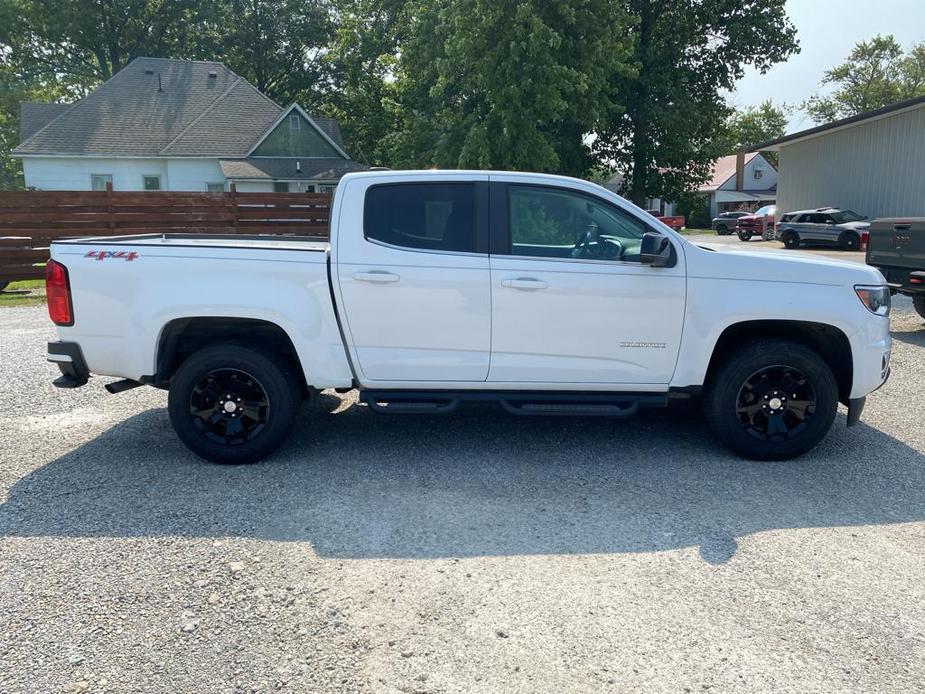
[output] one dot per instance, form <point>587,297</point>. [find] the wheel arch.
<point>181,337</point>
<point>829,341</point>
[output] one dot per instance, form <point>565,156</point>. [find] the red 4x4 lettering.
<point>103,255</point>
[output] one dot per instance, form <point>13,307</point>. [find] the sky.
<point>827,31</point>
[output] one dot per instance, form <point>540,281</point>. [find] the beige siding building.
<point>873,164</point>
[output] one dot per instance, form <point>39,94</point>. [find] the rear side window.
<point>429,216</point>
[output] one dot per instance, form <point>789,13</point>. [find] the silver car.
<point>825,225</point>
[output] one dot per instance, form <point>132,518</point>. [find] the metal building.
<point>873,163</point>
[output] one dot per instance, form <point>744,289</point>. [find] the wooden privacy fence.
<point>30,220</point>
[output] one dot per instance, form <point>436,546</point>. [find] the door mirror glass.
<point>656,250</point>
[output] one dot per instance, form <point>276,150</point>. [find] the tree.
<point>505,85</point>
<point>877,73</point>
<point>279,46</point>
<point>753,125</point>
<point>362,60</point>
<point>78,43</point>
<point>667,125</point>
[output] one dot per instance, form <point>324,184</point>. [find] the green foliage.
<point>755,124</point>
<point>280,46</point>
<point>668,125</point>
<point>505,85</point>
<point>877,73</point>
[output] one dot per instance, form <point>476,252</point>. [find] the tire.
<point>791,240</point>
<point>739,403</point>
<point>722,230</point>
<point>849,241</point>
<point>744,235</point>
<point>245,428</point>
<point>3,285</point>
<point>918,301</point>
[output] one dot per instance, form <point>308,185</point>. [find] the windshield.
<point>846,216</point>
<point>766,211</point>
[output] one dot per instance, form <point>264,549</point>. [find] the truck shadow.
<point>476,483</point>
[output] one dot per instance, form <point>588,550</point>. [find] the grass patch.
<point>23,293</point>
<point>689,231</point>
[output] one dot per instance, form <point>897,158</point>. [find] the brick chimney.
<point>740,169</point>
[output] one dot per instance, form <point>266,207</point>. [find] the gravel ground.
<point>474,552</point>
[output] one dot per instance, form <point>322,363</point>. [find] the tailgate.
<point>897,244</point>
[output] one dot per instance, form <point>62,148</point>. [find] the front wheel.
<point>721,230</point>
<point>918,301</point>
<point>772,400</point>
<point>744,235</point>
<point>230,404</point>
<point>849,242</point>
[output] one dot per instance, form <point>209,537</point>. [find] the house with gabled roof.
<point>163,124</point>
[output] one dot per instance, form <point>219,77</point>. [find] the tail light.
<point>58,294</point>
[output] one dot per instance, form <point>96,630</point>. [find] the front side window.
<point>555,223</point>
<point>430,216</point>
<point>152,182</point>
<point>99,181</point>
<point>846,216</point>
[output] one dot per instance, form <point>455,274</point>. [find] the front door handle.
<point>376,277</point>
<point>524,283</point>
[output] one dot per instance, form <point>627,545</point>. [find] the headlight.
<point>876,299</point>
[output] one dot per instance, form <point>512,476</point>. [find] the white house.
<point>724,191</point>
<point>162,124</point>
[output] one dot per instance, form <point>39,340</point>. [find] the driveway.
<point>474,552</point>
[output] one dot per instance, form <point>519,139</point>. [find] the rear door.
<point>412,270</point>
<point>572,303</point>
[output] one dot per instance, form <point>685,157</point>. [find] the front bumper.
<point>70,360</point>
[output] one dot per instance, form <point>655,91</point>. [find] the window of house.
<point>280,186</point>
<point>99,181</point>
<point>294,121</point>
<point>430,216</point>
<point>215,187</point>
<point>557,223</point>
<point>151,182</point>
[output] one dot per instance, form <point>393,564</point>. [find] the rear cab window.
<point>422,216</point>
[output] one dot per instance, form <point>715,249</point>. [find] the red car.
<point>759,224</point>
<point>677,222</point>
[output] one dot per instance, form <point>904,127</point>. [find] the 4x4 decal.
<point>103,255</point>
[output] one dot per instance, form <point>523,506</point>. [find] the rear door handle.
<point>376,277</point>
<point>524,283</point>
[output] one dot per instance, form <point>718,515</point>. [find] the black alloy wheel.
<point>229,406</point>
<point>745,235</point>
<point>771,399</point>
<point>233,404</point>
<point>791,240</point>
<point>776,403</point>
<point>721,229</point>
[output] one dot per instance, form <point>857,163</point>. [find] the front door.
<point>414,284</point>
<point>572,303</point>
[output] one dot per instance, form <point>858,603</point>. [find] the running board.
<point>546,403</point>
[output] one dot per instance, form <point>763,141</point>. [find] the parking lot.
<point>473,552</point>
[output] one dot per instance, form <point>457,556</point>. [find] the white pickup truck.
<point>547,295</point>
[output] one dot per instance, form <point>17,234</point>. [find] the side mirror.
<point>655,250</point>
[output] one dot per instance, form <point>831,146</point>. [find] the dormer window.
<point>294,121</point>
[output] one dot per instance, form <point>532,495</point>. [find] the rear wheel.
<point>849,241</point>
<point>744,235</point>
<point>230,404</point>
<point>791,240</point>
<point>919,302</point>
<point>772,400</point>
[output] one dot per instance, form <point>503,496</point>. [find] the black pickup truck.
<point>897,248</point>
